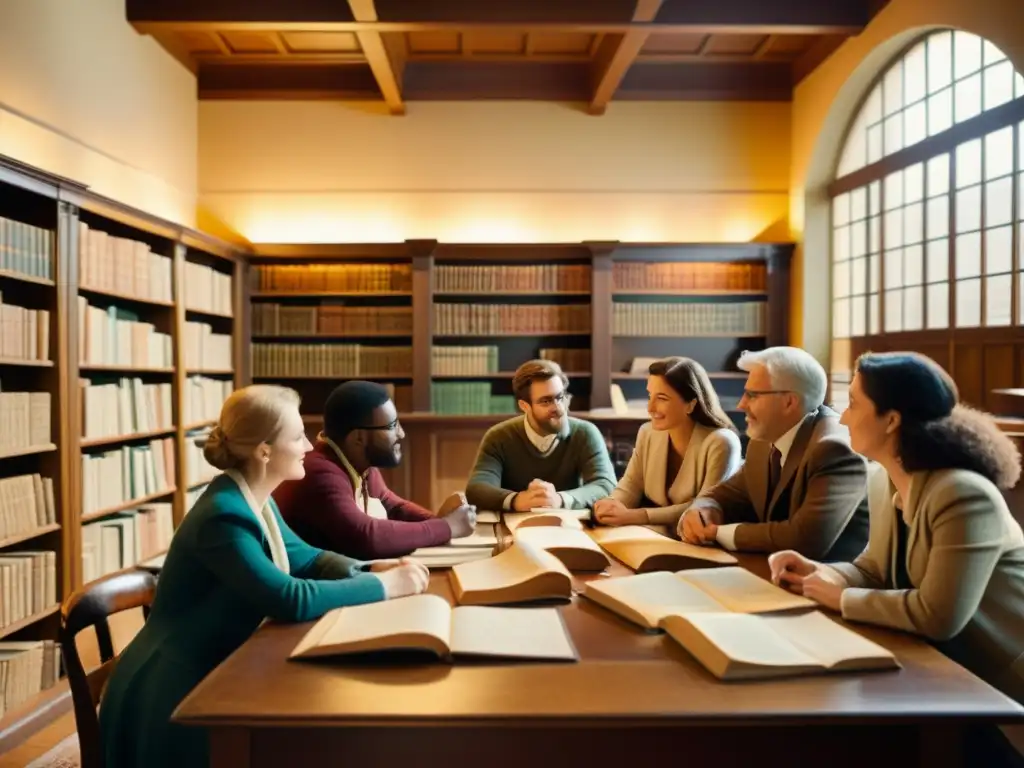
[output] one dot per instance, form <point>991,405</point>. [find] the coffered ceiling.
<point>590,51</point>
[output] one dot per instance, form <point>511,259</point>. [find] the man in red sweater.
<point>343,504</point>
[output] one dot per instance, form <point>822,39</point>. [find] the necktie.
<point>774,470</point>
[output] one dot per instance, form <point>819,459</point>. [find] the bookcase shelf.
<point>78,266</point>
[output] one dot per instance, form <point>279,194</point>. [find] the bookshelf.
<point>479,311</point>
<point>110,316</point>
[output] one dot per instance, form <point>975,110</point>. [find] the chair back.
<point>92,606</point>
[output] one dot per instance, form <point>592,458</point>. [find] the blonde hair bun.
<point>250,416</point>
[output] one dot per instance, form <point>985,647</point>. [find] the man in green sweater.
<point>544,458</point>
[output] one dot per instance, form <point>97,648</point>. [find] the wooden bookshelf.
<point>594,307</point>
<point>64,249</point>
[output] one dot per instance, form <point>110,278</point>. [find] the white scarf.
<point>267,520</point>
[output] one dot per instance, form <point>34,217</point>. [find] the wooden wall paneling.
<point>601,285</point>
<point>778,261</point>
<point>997,372</point>
<point>179,385</point>
<point>422,254</point>
<point>969,374</point>
<point>453,453</point>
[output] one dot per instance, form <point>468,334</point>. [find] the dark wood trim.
<point>386,62</point>
<point>329,251</point>
<point>616,55</point>
<point>601,303</point>
<point>178,385</point>
<point>241,348</point>
<point>779,263</point>
<point>67,396</point>
<point>422,253</point>
<point>287,81</point>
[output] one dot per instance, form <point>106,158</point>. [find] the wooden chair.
<point>91,607</point>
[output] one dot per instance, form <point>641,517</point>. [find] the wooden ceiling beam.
<point>283,81</point>
<point>386,59</point>
<point>617,54</point>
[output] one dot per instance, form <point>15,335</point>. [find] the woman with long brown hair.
<point>689,446</point>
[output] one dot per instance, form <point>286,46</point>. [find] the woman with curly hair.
<point>945,558</point>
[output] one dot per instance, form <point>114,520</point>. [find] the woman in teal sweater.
<point>233,562</point>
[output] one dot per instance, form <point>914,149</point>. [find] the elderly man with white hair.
<point>802,486</point>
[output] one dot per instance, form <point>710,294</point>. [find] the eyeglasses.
<point>386,428</point>
<point>547,402</point>
<point>753,394</point>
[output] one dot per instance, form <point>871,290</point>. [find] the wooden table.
<point>633,699</point>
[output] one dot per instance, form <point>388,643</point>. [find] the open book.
<point>734,646</point>
<point>427,622</point>
<point>519,574</point>
<point>645,550</point>
<point>647,598</point>
<point>555,518</point>
<point>572,546</point>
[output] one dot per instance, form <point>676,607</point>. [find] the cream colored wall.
<point>84,96</point>
<point>496,171</point>
<point>826,102</point>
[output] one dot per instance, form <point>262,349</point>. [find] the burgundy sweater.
<point>322,509</point>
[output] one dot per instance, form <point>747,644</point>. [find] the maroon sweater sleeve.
<point>348,530</point>
<point>397,507</point>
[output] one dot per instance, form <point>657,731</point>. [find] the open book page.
<point>835,646</point>
<point>555,518</point>
<point>518,574</point>
<point>526,633</point>
<point>449,556</point>
<point>643,549</point>
<point>578,514</point>
<point>645,598</point>
<point>482,536</point>
<point>488,518</point>
<point>740,591</point>
<point>414,622</point>
<point>572,546</point>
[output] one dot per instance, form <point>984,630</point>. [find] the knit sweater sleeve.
<point>595,467</point>
<point>484,489</point>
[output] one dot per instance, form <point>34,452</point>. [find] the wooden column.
<point>178,384</point>
<point>241,326</point>
<point>778,263</point>
<point>601,287</point>
<point>422,253</point>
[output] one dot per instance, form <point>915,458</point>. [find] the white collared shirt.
<point>545,444</point>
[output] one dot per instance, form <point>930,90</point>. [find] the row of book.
<point>747,318</point>
<point>204,397</point>
<point>343,278</point>
<point>683,276</point>
<point>271,319</point>
<point>207,290</point>
<point>116,477</point>
<point>463,361</point>
<point>24,333</point>
<point>28,584</point>
<point>514,279</point>
<point>125,539</point>
<point>26,504</point>
<point>454,398</point>
<point>24,421</point>
<point>568,359</point>
<point>480,319</point>
<point>121,265</point>
<point>26,249</point>
<point>206,350</point>
<point>115,336</point>
<point>124,407</point>
<point>197,468</point>
<point>27,668</point>
<point>322,360</point>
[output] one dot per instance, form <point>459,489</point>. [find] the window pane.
<point>841,279</point>
<point>938,175</point>
<point>893,268</point>
<point>875,197</point>
<point>859,276</point>
<point>968,303</point>
<point>841,244</point>
<point>915,75</point>
<point>874,305</point>
<point>1018,86</point>
<point>913,183</point>
<point>915,124</point>
<point>893,230</point>
<point>968,209</point>
<point>874,143</point>
<point>967,98</point>
<point>894,133</point>
<point>938,305</point>
<point>874,234</point>
<point>998,300</point>
<point>938,261</point>
<point>1020,196</point>
<point>940,111</point>
<point>940,61</point>
<point>966,54</point>
<point>968,164</point>
<point>913,265</point>
<point>913,224</point>
<point>999,250</point>
<point>999,202</point>
<point>999,153</point>
<point>894,191</point>
<point>858,204</point>
<point>858,321</point>
<point>1020,297</point>
<point>938,217</point>
<point>874,273</point>
<point>841,210</point>
<point>841,318</point>
<point>894,310</point>
<point>913,308</point>
<point>998,85</point>
<point>855,151</point>
<point>859,238</point>
<point>892,88</point>
<point>991,53</point>
<point>968,255</point>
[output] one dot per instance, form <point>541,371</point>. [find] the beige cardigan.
<point>712,456</point>
<point>965,558</point>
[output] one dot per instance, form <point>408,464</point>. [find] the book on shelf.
<point>542,516</point>
<point>26,333</point>
<point>577,550</point>
<point>121,265</point>
<point>746,318</point>
<point>25,420</point>
<point>125,406</point>
<point>646,598</point>
<point>117,476</point>
<point>203,398</point>
<point>116,336</point>
<point>428,623</point>
<point>206,350</point>
<point>206,289</point>
<point>734,646</point>
<point>272,319</point>
<point>26,249</point>
<point>342,278</point>
<point>644,549</point>
<point>27,668</point>
<point>123,539</point>
<point>469,398</point>
<point>28,584</point>
<point>327,360</point>
<point>521,573</point>
<point>26,504</point>
<point>687,276</point>
<point>529,278</point>
<point>525,319</point>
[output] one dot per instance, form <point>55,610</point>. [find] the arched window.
<point>928,204</point>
